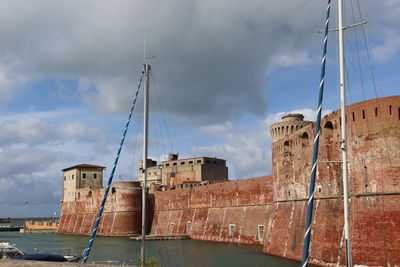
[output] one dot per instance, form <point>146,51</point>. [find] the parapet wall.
<point>207,212</point>
<point>121,216</point>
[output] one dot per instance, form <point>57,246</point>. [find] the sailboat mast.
<point>146,71</point>
<point>344,136</point>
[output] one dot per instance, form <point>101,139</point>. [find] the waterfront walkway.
<point>15,263</point>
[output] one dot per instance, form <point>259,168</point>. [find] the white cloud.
<point>390,46</point>
<point>290,60</point>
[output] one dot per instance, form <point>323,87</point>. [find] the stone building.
<point>176,171</point>
<point>81,176</point>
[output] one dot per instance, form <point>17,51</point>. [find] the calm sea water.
<point>170,253</point>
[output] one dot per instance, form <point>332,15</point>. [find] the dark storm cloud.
<point>212,56</point>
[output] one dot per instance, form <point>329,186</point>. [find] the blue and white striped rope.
<point>307,236</point>
<point>96,225</point>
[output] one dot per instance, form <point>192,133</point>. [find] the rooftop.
<point>83,166</point>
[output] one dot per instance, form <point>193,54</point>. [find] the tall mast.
<point>344,137</point>
<point>146,70</point>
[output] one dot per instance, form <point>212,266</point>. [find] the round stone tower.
<point>290,123</point>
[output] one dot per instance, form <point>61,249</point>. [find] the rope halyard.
<point>96,225</point>
<point>307,236</point>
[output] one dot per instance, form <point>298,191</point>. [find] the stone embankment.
<point>18,263</point>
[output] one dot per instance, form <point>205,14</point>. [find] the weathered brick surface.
<point>279,202</point>
<point>121,216</point>
<point>212,208</point>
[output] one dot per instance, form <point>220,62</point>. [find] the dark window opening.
<point>328,125</point>
<point>319,189</point>
<point>354,116</point>
<point>90,194</point>
<point>304,135</point>
<point>182,163</point>
<point>174,163</point>
<point>94,175</point>
<point>199,161</point>
<point>390,109</point>
<point>191,162</point>
<point>167,164</point>
<point>363,114</point>
<point>376,112</point>
<point>289,193</point>
<point>83,175</point>
<point>73,176</point>
<point>286,143</point>
<point>113,190</point>
<point>398,111</point>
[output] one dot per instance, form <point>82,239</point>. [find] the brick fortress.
<point>271,210</point>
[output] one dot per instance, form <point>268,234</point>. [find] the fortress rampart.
<point>121,217</point>
<point>271,210</point>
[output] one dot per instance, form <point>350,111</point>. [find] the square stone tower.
<point>81,176</point>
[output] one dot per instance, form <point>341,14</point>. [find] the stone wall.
<point>212,208</point>
<point>278,203</point>
<point>121,216</point>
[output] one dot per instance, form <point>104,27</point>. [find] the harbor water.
<point>122,250</point>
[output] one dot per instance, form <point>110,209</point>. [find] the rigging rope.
<point>307,236</point>
<point>89,246</point>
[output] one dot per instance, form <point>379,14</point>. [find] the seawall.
<point>207,212</point>
<point>121,216</point>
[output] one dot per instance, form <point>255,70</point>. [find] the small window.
<point>94,175</point>
<point>167,164</point>
<point>113,190</point>
<point>199,161</point>
<point>79,195</point>
<point>170,228</point>
<point>83,175</point>
<point>73,176</point>
<point>260,232</point>
<point>390,110</point>
<point>215,162</point>
<point>328,125</point>
<point>90,194</point>
<point>191,162</point>
<point>65,178</point>
<point>286,143</point>
<point>182,163</point>
<point>363,114</point>
<point>188,228</point>
<point>304,135</point>
<point>354,116</point>
<point>231,230</point>
<point>174,164</point>
<point>376,112</point>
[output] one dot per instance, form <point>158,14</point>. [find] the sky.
<point>222,72</point>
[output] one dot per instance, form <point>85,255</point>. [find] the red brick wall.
<point>212,208</point>
<point>121,216</point>
<point>279,202</point>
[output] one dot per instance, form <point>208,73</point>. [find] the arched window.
<point>286,143</point>
<point>328,125</point>
<point>90,194</point>
<point>304,135</point>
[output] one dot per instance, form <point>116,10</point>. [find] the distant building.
<point>176,171</point>
<point>81,176</point>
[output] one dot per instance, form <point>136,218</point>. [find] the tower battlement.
<point>291,123</point>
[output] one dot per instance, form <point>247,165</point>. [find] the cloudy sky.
<point>223,71</point>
